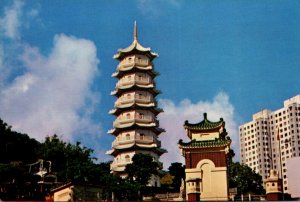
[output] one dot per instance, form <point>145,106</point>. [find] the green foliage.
<point>15,146</point>
<point>139,173</point>
<point>69,162</point>
<point>178,171</point>
<point>245,179</point>
<point>142,168</point>
<point>167,180</point>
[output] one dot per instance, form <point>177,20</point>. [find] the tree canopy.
<point>245,179</point>
<point>21,158</point>
<point>177,170</point>
<point>142,168</point>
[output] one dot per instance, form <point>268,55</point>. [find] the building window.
<point>140,77</point>
<point>142,136</point>
<point>141,116</point>
<point>127,158</point>
<point>128,116</point>
<point>140,96</point>
<point>127,136</point>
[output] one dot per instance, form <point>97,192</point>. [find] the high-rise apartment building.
<point>271,138</point>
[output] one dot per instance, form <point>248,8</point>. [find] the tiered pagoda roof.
<point>218,142</point>
<point>135,47</point>
<point>205,125</point>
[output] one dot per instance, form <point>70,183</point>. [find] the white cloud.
<point>174,116</point>
<point>51,95</point>
<point>153,9</point>
<point>10,23</point>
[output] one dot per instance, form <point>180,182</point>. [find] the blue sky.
<point>227,58</point>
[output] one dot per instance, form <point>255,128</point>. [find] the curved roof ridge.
<point>205,124</point>
<point>135,45</point>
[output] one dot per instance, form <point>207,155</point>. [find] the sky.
<point>228,58</point>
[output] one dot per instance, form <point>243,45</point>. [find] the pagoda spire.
<point>135,32</point>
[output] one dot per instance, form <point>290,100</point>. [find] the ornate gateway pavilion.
<point>206,160</point>
<point>136,128</point>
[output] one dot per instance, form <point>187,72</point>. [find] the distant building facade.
<point>271,139</point>
<point>293,165</point>
<point>136,128</point>
<point>206,160</point>
<point>75,192</point>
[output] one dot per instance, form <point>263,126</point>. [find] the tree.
<point>16,146</point>
<point>245,179</point>
<point>70,162</point>
<point>177,170</point>
<point>140,171</point>
<point>166,182</point>
<point>142,168</point>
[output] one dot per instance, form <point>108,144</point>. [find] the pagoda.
<point>136,128</point>
<point>206,160</point>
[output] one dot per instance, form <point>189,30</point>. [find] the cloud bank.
<point>10,22</point>
<point>46,94</point>
<point>173,117</point>
<point>51,96</point>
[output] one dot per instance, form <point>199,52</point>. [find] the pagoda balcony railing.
<point>136,99</point>
<point>117,164</point>
<point>135,61</point>
<point>119,122</point>
<point>137,81</point>
<point>151,140</point>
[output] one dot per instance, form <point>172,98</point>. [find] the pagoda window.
<point>129,77</point>
<point>141,116</point>
<point>127,136</point>
<point>140,96</point>
<point>128,96</point>
<point>140,78</point>
<point>128,116</point>
<point>127,158</point>
<point>142,136</point>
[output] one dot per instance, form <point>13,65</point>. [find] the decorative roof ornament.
<point>135,32</point>
<point>135,47</point>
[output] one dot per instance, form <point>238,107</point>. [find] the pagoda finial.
<point>135,31</point>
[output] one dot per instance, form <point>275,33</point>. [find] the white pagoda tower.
<point>136,128</point>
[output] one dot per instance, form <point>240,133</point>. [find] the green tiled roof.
<point>206,143</point>
<point>204,125</point>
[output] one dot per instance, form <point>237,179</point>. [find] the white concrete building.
<point>271,138</point>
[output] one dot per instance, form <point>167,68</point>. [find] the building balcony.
<point>125,64</point>
<point>119,165</point>
<point>146,141</point>
<point>134,100</point>
<point>121,84</point>
<point>122,123</point>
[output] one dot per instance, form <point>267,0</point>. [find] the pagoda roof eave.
<point>134,46</point>
<point>156,150</point>
<point>205,125</point>
<point>116,111</point>
<point>156,130</point>
<point>204,144</point>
